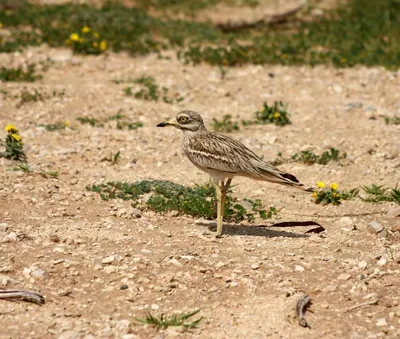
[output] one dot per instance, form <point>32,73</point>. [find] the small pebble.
<point>381,322</point>
<point>344,276</point>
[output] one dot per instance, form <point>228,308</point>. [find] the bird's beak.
<point>167,123</point>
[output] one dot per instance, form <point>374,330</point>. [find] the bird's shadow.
<point>266,230</point>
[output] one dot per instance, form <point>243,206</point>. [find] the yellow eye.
<point>183,120</point>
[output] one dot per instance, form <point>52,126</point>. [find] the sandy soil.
<point>58,238</point>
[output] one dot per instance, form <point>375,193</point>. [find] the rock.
<point>155,307</point>
<point>255,266</point>
<point>392,212</point>
<point>38,273</point>
<point>137,212</point>
<point>70,334</point>
<point>381,322</point>
<point>362,265</point>
<point>12,236</point>
<point>344,276</point>
<point>6,269</point>
<point>382,262</point>
<point>220,264</point>
<point>110,269</point>
<point>129,336</point>
<point>315,238</point>
<point>62,55</point>
<point>108,260</point>
<point>330,288</point>
<point>299,268</point>
<point>375,228</point>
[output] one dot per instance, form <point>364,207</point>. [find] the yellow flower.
<point>315,194</point>
<point>334,186</point>
<point>96,35</point>
<point>11,129</point>
<point>103,45</point>
<point>16,136</point>
<point>277,115</point>
<point>334,194</point>
<point>320,184</point>
<point>95,44</point>
<point>85,29</point>
<point>67,123</point>
<point>74,37</point>
<point>81,40</point>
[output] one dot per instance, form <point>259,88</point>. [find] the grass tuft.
<point>276,114</point>
<point>378,193</point>
<point>226,125</point>
<point>19,74</point>
<point>310,158</point>
<point>163,321</point>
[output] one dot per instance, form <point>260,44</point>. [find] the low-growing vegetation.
<point>378,193</point>
<point>56,126</point>
<point>198,201</point>
<point>392,120</point>
<point>332,195</point>
<point>276,114</point>
<point>310,158</point>
<point>14,147</point>
<point>19,74</point>
<point>163,321</point>
<point>226,125</point>
<point>86,41</point>
<point>150,91</point>
<point>337,37</point>
<point>119,119</point>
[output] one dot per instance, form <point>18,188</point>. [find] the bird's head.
<point>186,121</point>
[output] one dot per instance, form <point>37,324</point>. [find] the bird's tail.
<point>275,175</point>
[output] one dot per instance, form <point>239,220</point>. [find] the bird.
<point>224,158</point>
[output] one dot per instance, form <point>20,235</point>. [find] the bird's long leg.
<point>218,189</point>
<point>224,190</point>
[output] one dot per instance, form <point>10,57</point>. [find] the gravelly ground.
<point>77,250</point>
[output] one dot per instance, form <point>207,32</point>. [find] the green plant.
<point>332,195</point>
<point>377,193</point>
<point>56,126</point>
<point>165,196</point>
<point>113,158</point>
<point>310,158</point>
<point>129,125</point>
<point>91,121</point>
<point>87,41</point>
<point>164,321</point>
<point>392,120</point>
<point>150,91</point>
<point>51,174</point>
<point>24,167</point>
<point>14,145</point>
<point>19,74</point>
<point>276,114</point>
<point>226,125</point>
<point>27,96</point>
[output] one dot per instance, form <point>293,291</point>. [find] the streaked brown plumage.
<point>224,158</point>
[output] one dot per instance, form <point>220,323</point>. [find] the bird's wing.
<point>218,152</point>
<point>215,151</point>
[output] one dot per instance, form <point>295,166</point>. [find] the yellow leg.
<point>219,214</point>
<point>222,189</point>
